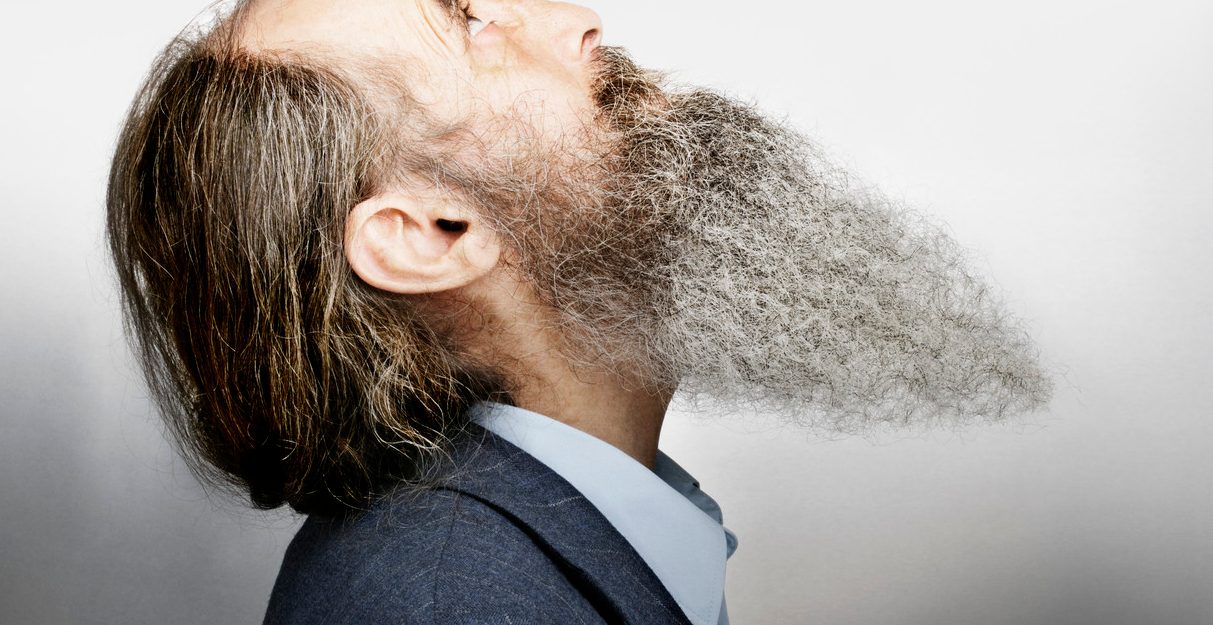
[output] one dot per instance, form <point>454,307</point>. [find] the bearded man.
<point>431,271</point>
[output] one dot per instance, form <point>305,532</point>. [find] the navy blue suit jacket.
<point>503,539</point>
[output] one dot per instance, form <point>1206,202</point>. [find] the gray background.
<point>1070,144</point>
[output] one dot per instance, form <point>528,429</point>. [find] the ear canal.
<point>447,225</point>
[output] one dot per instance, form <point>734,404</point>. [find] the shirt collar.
<point>674,527</point>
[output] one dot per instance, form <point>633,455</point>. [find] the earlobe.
<point>406,243</point>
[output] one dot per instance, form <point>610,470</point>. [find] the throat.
<point>628,419</point>
<point>516,335</point>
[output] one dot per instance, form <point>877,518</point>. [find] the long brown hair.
<point>276,368</point>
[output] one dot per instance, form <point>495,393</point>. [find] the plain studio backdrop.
<point>1068,144</point>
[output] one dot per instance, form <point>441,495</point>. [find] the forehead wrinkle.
<point>377,28</point>
<point>386,78</point>
<point>408,54</point>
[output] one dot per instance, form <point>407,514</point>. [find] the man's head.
<point>325,215</point>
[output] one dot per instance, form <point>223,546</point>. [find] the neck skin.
<point>516,336</point>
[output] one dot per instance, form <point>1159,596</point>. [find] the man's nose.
<point>575,30</point>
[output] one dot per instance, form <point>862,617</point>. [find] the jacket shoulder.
<point>422,557</point>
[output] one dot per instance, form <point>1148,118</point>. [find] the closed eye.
<point>474,24</point>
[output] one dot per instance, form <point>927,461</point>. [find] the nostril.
<point>590,40</point>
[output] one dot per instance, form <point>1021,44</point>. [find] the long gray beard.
<point>713,249</point>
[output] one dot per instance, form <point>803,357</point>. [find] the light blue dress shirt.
<point>675,527</point>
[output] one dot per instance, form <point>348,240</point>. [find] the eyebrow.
<point>454,15</point>
<point>450,7</point>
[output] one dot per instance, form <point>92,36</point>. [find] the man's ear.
<point>406,243</point>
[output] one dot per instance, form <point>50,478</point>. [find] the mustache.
<point>622,89</point>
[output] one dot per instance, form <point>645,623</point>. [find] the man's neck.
<point>517,336</point>
<point>629,420</point>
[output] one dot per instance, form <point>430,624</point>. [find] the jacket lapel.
<point>565,524</point>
